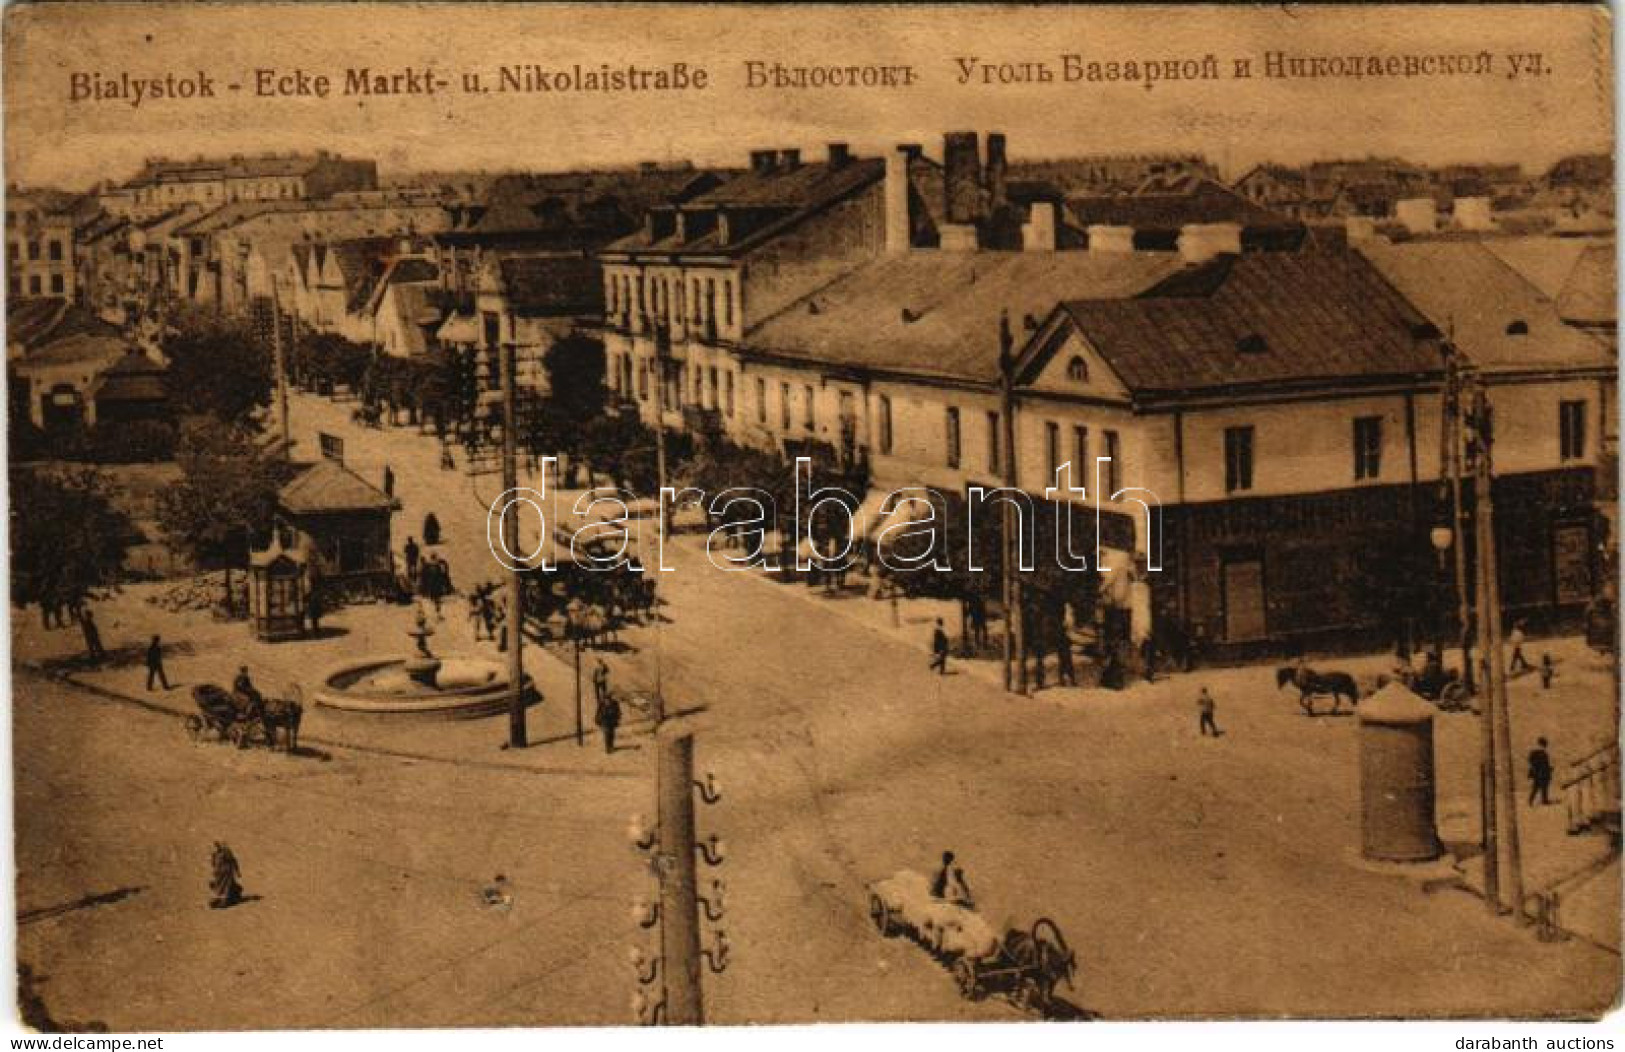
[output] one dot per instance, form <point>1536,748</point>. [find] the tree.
<point>575,385</point>
<point>217,367</point>
<point>67,539</point>
<point>226,496</point>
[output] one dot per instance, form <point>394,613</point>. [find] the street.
<point>1194,877</point>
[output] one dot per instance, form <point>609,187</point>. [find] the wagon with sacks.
<point>1024,965</point>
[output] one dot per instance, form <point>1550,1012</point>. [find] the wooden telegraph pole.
<point>510,535</point>
<point>1015,661</point>
<point>280,366</point>
<point>679,895</point>
<point>1501,823</point>
<point>1450,449</point>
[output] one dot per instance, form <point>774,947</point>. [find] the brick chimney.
<point>961,177</point>
<point>898,227</point>
<point>997,168</point>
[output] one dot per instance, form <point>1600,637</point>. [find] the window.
<point>953,437</point>
<point>784,406</point>
<point>1571,418</point>
<point>492,322</point>
<point>33,250</point>
<point>1114,469</point>
<point>1077,370</point>
<point>33,285</point>
<point>1082,470</point>
<point>809,415</point>
<point>761,400</point>
<point>1367,447</point>
<point>14,251</point>
<point>885,424</point>
<point>728,302</point>
<point>1518,327</point>
<point>643,382</point>
<point>54,250</point>
<point>715,387</point>
<point>56,284</point>
<point>993,459</point>
<point>1052,449</point>
<point>729,403</point>
<point>1238,459</point>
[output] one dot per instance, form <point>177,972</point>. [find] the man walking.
<point>93,635</point>
<point>155,663</point>
<point>607,713</point>
<point>1206,706</point>
<point>600,682</point>
<point>939,650</point>
<point>1540,773</point>
<point>1519,663</point>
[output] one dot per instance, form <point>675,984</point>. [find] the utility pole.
<point>281,369</point>
<point>1450,450</point>
<point>679,894</point>
<point>1015,659</point>
<point>1497,716</point>
<point>510,535</point>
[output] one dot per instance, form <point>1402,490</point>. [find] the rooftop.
<point>328,486</point>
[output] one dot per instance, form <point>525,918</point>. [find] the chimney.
<point>898,227</point>
<point>762,162</point>
<point>961,177</point>
<point>839,154</point>
<point>1038,232</point>
<point>1200,242</point>
<point>790,159</point>
<point>996,169</point>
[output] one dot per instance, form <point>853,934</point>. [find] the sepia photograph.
<point>586,515</point>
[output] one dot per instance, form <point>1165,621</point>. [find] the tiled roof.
<point>552,286</point>
<point>779,199</point>
<point>30,319</point>
<point>1203,201</point>
<point>77,348</point>
<point>1270,318</point>
<point>328,486</point>
<point>1467,290</point>
<point>937,314</point>
<point>1590,296</point>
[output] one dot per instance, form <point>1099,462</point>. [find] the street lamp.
<point>1441,537</point>
<point>566,623</point>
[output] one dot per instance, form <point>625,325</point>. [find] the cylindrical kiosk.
<point>1396,777</point>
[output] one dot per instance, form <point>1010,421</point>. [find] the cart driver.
<point>244,687</point>
<point>949,883</point>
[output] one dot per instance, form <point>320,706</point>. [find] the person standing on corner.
<point>939,649</point>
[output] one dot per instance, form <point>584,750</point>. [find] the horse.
<point>1044,957</point>
<point>1338,685</point>
<point>285,713</point>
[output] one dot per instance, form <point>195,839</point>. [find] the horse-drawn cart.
<point>234,717</point>
<point>1025,965</point>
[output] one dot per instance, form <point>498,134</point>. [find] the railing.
<point>1592,790</point>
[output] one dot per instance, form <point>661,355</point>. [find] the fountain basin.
<point>460,688</point>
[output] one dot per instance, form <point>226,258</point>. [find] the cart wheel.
<point>880,913</point>
<point>970,987</point>
<point>194,728</point>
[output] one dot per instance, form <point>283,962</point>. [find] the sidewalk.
<point>200,649</point>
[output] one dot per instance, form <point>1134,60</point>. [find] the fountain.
<point>421,684</point>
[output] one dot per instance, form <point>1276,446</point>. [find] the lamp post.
<point>1442,537</point>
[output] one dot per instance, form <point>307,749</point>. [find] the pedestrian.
<point>225,889</point>
<point>92,634</point>
<point>1148,658</point>
<point>600,681</point>
<point>1519,663</point>
<point>155,663</point>
<point>1206,706</point>
<point>51,611</point>
<point>1065,671</point>
<point>313,611</point>
<point>607,714</point>
<point>476,612</point>
<point>1547,671</point>
<point>412,554</point>
<point>978,620</point>
<point>939,649</point>
<point>1540,773</point>
<point>389,481</point>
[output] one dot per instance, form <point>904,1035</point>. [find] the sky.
<point>51,140</point>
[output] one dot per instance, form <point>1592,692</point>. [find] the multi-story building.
<point>42,241</point>
<point>163,183</point>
